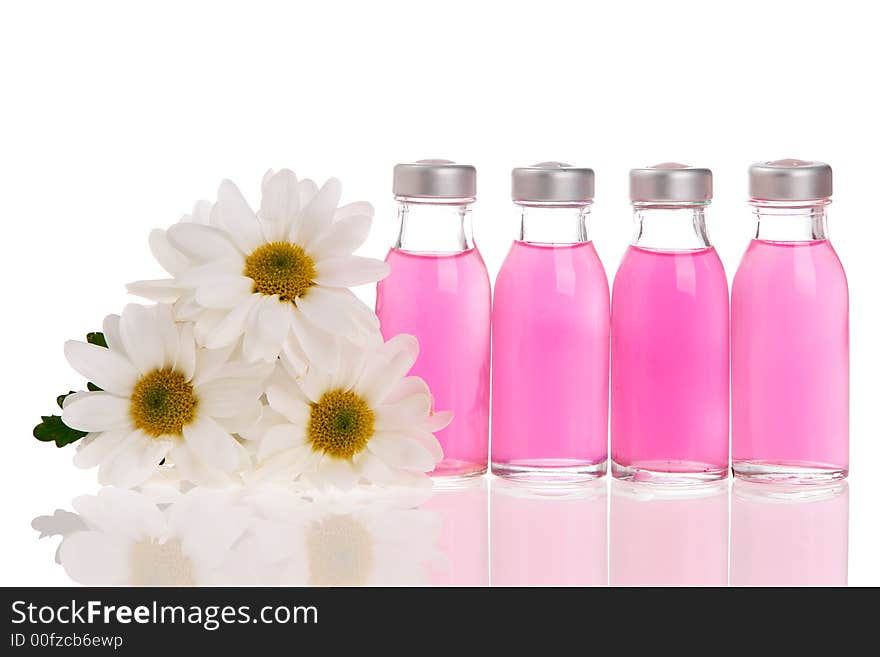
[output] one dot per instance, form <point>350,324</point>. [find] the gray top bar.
<point>670,182</point>
<point>552,182</point>
<point>790,180</point>
<point>435,179</point>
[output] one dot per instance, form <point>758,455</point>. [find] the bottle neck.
<point>434,226</point>
<point>553,224</point>
<point>791,221</point>
<point>671,227</point>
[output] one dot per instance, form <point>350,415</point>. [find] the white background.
<point>115,117</point>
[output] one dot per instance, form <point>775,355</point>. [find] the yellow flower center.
<point>340,552</point>
<point>162,403</point>
<point>341,424</point>
<point>281,268</point>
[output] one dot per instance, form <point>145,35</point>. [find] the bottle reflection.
<point>789,536</point>
<point>549,537</point>
<point>464,538</point>
<point>668,536</point>
<point>265,536</point>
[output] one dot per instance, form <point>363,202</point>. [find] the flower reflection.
<point>358,538</point>
<point>668,536</point>
<point>257,536</point>
<point>549,536</point>
<point>789,535</point>
<point>125,537</point>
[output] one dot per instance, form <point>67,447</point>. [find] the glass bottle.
<point>670,336</point>
<point>439,291</point>
<point>550,329</point>
<point>790,333</point>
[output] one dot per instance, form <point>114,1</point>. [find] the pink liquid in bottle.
<point>790,333</point>
<point>670,346</point>
<point>550,355</point>
<point>445,301</point>
<point>669,360</point>
<point>790,364</point>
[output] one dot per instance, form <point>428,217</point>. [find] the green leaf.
<point>97,338</point>
<point>60,398</point>
<point>53,430</point>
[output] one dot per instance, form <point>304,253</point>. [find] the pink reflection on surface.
<point>668,536</point>
<point>789,536</point>
<point>464,539</point>
<point>547,537</point>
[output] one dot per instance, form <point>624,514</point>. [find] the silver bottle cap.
<point>435,179</point>
<point>552,182</point>
<point>670,182</point>
<point>789,180</point>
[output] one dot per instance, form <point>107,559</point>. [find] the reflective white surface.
<point>486,532</point>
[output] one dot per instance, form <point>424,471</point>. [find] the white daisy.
<point>366,420</point>
<point>162,397</point>
<point>279,277</point>
<point>124,538</point>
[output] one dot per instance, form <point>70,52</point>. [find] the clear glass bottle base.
<point>550,471</point>
<point>451,471</point>
<point>674,473</point>
<point>788,473</point>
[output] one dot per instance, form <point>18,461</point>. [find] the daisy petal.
<point>169,334</point>
<point>186,353</point>
<point>291,405</point>
<point>438,420</point>
<point>318,214</point>
<point>315,383</point>
<point>327,310</point>
<point>134,462</point>
<point>111,334</point>
<point>405,414</point>
<point>288,464</point>
<point>212,445</point>
<point>372,468</point>
<point>202,243</point>
<point>308,190</point>
<point>232,326</point>
<point>409,385</point>
<point>318,345</point>
<point>226,291</point>
<point>106,368</point>
<point>337,472</point>
<point>350,270</point>
<point>233,214</point>
<point>280,203</point>
<point>281,437</point>
<point>160,290</point>
<point>227,397</point>
<point>97,411</point>
<point>343,237</point>
<point>274,319</point>
<point>194,470</point>
<point>97,447</point>
<point>430,443</point>
<point>171,259</point>
<point>399,451</point>
<point>142,341</point>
